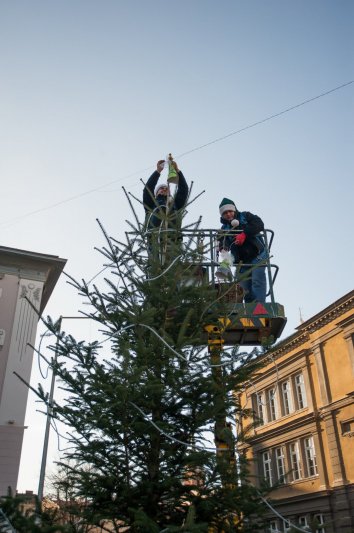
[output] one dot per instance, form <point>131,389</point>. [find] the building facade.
<point>302,433</point>
<point>27,280</point>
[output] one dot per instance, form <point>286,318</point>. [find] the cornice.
<point>42,267</point>
<point>332,312</point>
<point>288,344</point>
<point>327,410</point>
<point>282,428</point>
<point>300,498</point>
<point>268,371</point>
<point>346,324</point>
<point>329,314</point>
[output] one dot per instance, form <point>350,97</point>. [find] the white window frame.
<point>300,389</point>
<point>273,526</point>
<point>320,519</point>
<point>303,523</point>
<point>280,463</point>
<point>286,526</point>
<point>267,466</point>
<point>260,408</point>
<point>310,455</point>
<point>296,470</point>
<point>272,404</point>
<point>288,405</point>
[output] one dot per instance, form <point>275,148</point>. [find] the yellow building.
<point>303,438</point>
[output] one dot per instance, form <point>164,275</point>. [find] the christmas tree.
<point>150,410</point>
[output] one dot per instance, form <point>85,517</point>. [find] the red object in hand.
<point>240,239</point>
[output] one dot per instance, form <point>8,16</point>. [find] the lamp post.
<point>50,411</point>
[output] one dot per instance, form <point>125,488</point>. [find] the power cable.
<point>274,511</point>
<point>71,198</point>
<point>12,221</point>
<point>265,119</point>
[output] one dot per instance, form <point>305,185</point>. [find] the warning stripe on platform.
<point>253,322</point>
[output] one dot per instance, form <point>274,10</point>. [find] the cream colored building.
<point>303,440</point>
<point>27,280</point>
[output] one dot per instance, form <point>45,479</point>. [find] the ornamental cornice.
<point>288,345</point>
<point>293,424</point>
<point>326,316</point>
<point>337,309</point>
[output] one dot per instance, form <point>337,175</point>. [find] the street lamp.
<point>49,411</point>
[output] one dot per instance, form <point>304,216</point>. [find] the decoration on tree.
<point>172,170</point>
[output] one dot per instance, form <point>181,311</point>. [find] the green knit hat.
<point>226,205</point>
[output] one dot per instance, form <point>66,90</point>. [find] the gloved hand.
<point>160,165</point>
<point>240,239</point>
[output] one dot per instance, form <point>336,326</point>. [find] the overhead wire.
<point>274,511</point>
<point>10,222</point>
<point>270,117</point>
<point>47,333</point>
<point>70,199</point>
<point>55,428</point>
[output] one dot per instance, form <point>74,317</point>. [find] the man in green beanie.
<point>241,237</point>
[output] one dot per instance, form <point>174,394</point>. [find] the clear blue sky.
<point>94,91</point>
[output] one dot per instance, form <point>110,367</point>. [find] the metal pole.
<point>268,267</point>
<point>50,411</point>
<point>224,442</point>
<point>47,427</point>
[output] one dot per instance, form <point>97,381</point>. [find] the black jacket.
<point>155,208</point>
<point>253,247</point>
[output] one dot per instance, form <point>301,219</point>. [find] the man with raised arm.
<point>158,203</point>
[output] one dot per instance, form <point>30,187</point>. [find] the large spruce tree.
<point>143,404</point>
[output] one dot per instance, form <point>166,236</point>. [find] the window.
<point>302,521</point>
<point>319,523</point>
<point>347,428</point>
<point>267,467</point>
<point>280,462</point>
<point>273,527</point>
<point>298,456</point>
<point>300,391</point>
<point>269,404</point>
<point>286,526</point>
<point>272,405</point>
<point>287,400</point>
<point>310,454</point>
<point>295,461</point>
<point>260,407</point>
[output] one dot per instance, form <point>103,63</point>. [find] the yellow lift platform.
<point>248,324</point>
